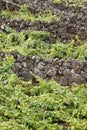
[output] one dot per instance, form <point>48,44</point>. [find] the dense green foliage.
<point>48,106</point>
<point>35,45</point>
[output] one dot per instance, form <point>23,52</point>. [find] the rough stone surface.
<point>62,71</point>
<point>4,4</point>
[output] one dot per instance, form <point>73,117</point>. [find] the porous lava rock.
<point>8,4</point>
<point>64,72</point>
